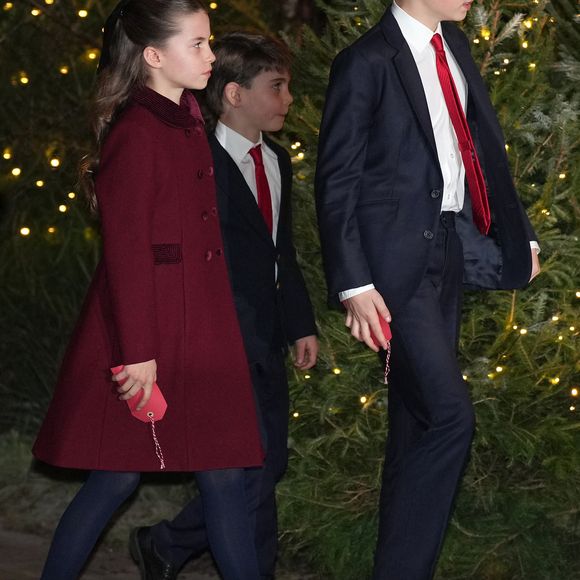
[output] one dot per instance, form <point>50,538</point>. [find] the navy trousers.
<point>431,419</point>
<point>186,536</point>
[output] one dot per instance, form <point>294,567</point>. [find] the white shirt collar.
<point>417,35</point>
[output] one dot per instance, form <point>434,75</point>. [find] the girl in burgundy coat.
<point>160,303</point>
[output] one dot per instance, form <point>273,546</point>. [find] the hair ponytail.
<point>135,24</point>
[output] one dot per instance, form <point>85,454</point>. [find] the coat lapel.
<point>409,74</point>
<point>231,182</point>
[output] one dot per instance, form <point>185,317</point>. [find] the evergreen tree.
<point>517,511</point>
<point>517,514</point>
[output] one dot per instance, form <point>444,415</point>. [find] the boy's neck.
<point>241,126</point>
<point>420,12</point>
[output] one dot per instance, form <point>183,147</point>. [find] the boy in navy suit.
<point>415,198</point>
<point>248,95</point>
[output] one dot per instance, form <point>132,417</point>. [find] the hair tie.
<point>109,29</point>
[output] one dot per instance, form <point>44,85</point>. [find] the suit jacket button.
<point>208,256</point>
<point>435,193</point>
<point>200,173</point>
<point>278,285</point>
<point>205,216</point>
<point>428,234</point>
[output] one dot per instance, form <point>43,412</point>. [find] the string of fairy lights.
<point>365,400</point>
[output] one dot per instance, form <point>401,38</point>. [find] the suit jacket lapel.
<point>409,74</point>
<point>231,182</point>
<point>286,181</point>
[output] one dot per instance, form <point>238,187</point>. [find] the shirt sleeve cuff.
<point>342,296</point>
<point>535,246</point>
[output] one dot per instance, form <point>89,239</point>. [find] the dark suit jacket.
<point>379,184</point>
<point>272,314</point>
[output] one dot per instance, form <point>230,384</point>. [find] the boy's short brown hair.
<point>240,58</point>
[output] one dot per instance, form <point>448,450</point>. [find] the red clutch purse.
<point>153,411</point>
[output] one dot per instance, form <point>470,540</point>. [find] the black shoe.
<point>151,565</point>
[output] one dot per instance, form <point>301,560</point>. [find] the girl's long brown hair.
<point>136,25</point>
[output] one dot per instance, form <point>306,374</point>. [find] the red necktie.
<point>264,197</point>
<point>473,172</point>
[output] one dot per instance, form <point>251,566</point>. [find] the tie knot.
<point>437,42</point>
<point>256,154</point>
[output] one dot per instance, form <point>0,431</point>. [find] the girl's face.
<point>185,60</point>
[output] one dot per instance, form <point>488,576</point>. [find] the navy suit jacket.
<point>271,313</point>
<point>379,185</point>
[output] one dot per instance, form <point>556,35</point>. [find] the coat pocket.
<point>166,253</point>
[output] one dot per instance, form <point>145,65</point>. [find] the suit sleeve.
<point>347,118</point>
<point>126,194</point>
<point>296,304</point>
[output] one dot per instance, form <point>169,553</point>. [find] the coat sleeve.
<point>344,133</point>
<point>296,304</point>
<point>125,188</point>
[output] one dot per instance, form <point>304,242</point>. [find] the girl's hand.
<point>138,376</point>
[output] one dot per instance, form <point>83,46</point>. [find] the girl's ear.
<point>233,94</point>
<point>152,57</point>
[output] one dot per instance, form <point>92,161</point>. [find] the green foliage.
<point>517,513</point>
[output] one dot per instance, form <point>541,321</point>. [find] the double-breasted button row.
<point>198,131</point>
<point>203,172</point>
<point>205,214</point>
<point>209,254</point>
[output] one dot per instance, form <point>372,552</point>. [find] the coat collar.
<point>184,115</point>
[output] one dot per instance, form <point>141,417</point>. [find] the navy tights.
<point>228,512</point>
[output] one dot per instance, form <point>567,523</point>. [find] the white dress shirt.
<point>238,148</point>
<point>418,37</point>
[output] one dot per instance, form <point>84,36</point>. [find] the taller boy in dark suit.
<point>249,94</point>
<point>414,197</point>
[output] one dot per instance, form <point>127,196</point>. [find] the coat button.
<point>435,193</point>
<point>198,131</point>
<point>218,252</point>
<point>200,173</point>
<point>214,211</point>
<point>210,170</point>
<point>208,256</point>
<point>205,216</point>
<point>428,234</point>
<point>278,285</point>
<point>188,132</point>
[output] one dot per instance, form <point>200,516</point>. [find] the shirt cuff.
<point>535,246</point>
<point>342,296</point>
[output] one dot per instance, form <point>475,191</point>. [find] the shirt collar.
<point>237,145</point>
<point>417,35</point>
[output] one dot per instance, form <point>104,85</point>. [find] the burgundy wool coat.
<point>161,291</point>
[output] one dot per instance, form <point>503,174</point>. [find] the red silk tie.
<point>264,197</point>
<point>473,172</point>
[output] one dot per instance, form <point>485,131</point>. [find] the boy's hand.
<point>363,311</point>
<point>535,264</point>
<point>138,376</point>
<point>305,352</point>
